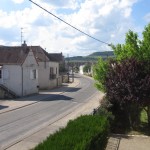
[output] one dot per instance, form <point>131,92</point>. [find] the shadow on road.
<point>3,107</point>
<point>55,97</point>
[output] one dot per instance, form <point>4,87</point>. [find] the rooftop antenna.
<point>22,28</point>
<point>21,34</point>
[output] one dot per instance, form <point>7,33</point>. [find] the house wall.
<point>29,83</point>
<point>81,69</point>
<point>44,75</point>
<point>54,82</point>
<point>18,79</point>
<point>44,72</point>
<point>55,65</point>
<point>11,78</point>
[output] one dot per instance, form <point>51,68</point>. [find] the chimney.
<point>24,44</point>
<point>24,48</point>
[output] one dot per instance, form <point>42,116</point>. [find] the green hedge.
<point>84,133</point>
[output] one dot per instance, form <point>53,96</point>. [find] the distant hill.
<point>102,54</point>
<point>92,57</point>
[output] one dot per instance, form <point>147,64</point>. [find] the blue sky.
<point>107,20</point>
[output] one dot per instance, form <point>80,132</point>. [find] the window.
<point>0,74</point>
<point>33,74</point>
<point>52,75</point>
<point>51,72</point>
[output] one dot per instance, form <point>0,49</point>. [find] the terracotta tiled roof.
<point>13,55</point>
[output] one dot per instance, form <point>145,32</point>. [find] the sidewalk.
<point>128,142</point>
<point>12,104</point>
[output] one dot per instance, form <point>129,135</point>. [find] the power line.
<point>70,24</point>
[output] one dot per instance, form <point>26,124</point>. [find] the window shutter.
<point>6,74</point>
<point>36,74</point>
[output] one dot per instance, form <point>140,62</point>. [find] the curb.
<point>132,135</point>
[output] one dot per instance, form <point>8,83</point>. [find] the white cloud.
<point>72,4</point>
<point>18,1</point>
<point>2,42</point>
<point>107,20</point>
<point>147,17</point>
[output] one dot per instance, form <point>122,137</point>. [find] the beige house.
<point>48,70</point>
<point>18,71</point>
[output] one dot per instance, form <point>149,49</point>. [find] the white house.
<point>26,69</point>
<point>81,69</point>
<point>18,70</point>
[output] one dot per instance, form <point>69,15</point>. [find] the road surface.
<point>18,124</point>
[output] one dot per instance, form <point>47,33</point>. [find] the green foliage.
<point>62,68</point>
<point>143,116</point>
<point>133,47</point>
<point>129,49</point>
<point>104,108</point>
<point>85,133</point>
<point>99,72</point>
<point>145,44</point>
<point>87,68</point>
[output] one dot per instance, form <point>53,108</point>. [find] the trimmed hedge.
<point>84,133</point>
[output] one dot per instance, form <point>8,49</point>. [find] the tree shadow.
<point>3,107</point>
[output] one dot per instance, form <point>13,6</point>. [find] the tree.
<point>87,68</point>
<point>145,44</point>
<point>99,73</point>
<point>139,51</point>
<point>131,48</point>
<point>128,86</point>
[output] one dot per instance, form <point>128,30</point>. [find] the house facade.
<point>26,69</point>
<point>18,70</point>
<point>58,57</point>
<point>48,70</point>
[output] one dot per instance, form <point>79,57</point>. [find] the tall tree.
<point>131,48</point>
<point>145,44</point>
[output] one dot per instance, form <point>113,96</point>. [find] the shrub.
<point>127,88</point>
<point>85,133</point>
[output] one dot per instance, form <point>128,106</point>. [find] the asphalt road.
<point>20,123</point>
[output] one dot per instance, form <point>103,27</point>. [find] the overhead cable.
<point>70,24</point>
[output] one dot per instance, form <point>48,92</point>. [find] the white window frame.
<point>33,74</point>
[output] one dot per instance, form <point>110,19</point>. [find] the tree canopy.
<point>134,47</point>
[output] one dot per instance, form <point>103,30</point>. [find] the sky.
<point>106,20</point>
